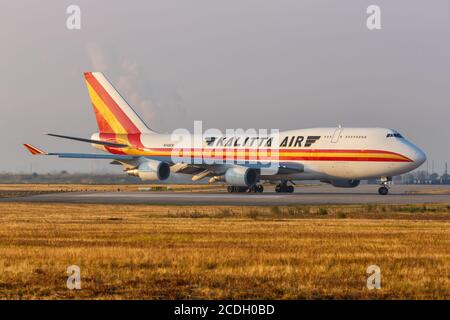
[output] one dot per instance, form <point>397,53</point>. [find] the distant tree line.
<point>424,177</point>
<point>63,177</point>
<point>420,177</point>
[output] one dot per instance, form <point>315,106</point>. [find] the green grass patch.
<point>341,215</point>
<point>275,210</point>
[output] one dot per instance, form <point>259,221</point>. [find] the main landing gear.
<point>283,187</point>
<point>385,185</point>
<point>256,188</point>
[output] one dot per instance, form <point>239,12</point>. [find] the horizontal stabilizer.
<point>92,156</point>
<point>103,143</point>
<point>36,151</point>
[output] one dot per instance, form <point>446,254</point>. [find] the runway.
<point>365,194</point>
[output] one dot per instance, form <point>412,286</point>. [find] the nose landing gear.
<point>385,185</point>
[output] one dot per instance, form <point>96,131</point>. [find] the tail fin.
<point>113,113</point>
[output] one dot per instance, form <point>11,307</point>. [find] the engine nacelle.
<point>241,177</point>
<point>151,170</point>
<point>344,183</point>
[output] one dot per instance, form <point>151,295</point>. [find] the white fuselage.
<point>324,153</point>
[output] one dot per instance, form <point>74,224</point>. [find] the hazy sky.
<point>231,63</point>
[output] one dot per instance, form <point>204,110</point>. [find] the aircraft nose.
<point>418,156</point>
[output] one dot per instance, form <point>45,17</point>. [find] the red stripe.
<point>282,150</point>
<point>112,105</point>
<point>114,150</point>
<point>135,141</point>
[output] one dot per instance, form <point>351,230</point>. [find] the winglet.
<point>34,150</point>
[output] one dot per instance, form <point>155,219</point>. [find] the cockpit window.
<point>392,135</point>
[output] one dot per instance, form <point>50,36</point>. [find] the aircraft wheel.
<point>260,189</point>
<point>284,188</point>
<point>230,189</point>
<point>383,191</point>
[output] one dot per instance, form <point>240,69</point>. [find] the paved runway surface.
<point>303,195</point>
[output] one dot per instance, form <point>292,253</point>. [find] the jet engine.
<point>344,183</point>
<point>241,177</point>
<point>151,170</point>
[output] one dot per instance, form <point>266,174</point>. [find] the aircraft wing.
<point>198,172</point>
<point>92,156</point>
<point>201,171</point>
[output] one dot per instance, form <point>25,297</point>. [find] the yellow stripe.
<point>103,109</point>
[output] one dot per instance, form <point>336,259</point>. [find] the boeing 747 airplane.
<point>338,156</point>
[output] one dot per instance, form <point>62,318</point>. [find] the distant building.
<point>445,178</point>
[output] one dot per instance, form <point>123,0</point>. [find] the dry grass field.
<point>168,252</point>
